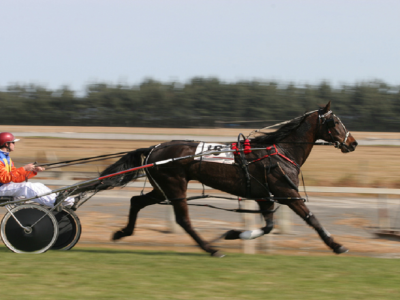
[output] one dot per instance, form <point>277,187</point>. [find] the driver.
<point>14,181</point>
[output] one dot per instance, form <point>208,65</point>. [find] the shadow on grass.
<point>139,252</point>
<point>116,251</point>
<point>4,250</point>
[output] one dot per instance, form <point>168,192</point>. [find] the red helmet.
<point>6,137</point>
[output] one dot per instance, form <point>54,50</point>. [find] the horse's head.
<point>331,129</point>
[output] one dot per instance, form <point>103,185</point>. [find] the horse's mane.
<point>281,133</point>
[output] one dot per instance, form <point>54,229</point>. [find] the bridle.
<point>330,123</point>
<point>322,120</point>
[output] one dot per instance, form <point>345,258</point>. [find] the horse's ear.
<point>327,107</point>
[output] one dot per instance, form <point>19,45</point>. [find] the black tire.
<point>69,228</point>
<point>41,237</point>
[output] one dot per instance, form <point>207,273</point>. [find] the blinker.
<point>330,123</point>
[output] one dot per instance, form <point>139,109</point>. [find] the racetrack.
<point>346,218</point>
<point>296,265</point>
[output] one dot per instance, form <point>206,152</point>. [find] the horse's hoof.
<point>233,235</point>
<point>340,250</point>
<point>217,254</point>
<point>118,235</point>
<point>251,234</point>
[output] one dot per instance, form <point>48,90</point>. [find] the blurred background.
<point>85,78</point>
<point>201,103</point>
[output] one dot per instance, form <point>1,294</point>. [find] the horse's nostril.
<point>354,144</point>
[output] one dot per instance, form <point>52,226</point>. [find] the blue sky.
<point>76,42</point>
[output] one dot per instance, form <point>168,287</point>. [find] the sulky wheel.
<point>22,232</point>
<point>69,228</point>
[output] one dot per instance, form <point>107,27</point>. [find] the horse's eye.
<point>330,123</point>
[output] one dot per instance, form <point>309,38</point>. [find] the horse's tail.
<point>128,161</point>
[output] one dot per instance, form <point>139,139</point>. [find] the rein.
<point>83,160</point>
<point>120,154</point>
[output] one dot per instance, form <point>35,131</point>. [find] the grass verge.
<point>84,273</point>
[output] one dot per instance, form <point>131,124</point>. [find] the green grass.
<point>122,274</point>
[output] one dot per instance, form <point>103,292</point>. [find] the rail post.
<point>383,212</point>
<point>172,226</point>
<point>284,220</point>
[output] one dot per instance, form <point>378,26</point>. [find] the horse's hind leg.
<point>266,208</point>
<point>181,215</point>
<point>301,209</point>
<point>137,203</point>
<point>182,218</point>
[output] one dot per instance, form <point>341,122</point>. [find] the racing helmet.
<point>6,137</point>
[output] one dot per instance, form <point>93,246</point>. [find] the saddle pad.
<point>221,158</point>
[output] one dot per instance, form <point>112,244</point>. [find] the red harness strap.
<point>234,147</point>
<point>246,150</point>
<point>275,153</point>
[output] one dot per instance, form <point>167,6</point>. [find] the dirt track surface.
<point>347,219</point>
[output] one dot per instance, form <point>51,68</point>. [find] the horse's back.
<point>172,149</point>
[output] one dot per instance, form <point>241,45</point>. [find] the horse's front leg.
<point>302,210</point>
<point>182,218</point>
<point>137,203</point>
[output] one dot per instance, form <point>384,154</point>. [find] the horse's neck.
<point>299,143</point>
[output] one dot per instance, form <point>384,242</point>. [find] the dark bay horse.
<point>272,170</point>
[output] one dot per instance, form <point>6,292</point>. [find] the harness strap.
<point>240,152</point>
<point>323,119</point>
<point>291,183</point>
<point>88,159</point>
<point>276,153</point>
<point>149,175</point>
<point>238,210</point>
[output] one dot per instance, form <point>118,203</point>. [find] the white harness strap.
<point>324,115</point>
<point>322,118</point>
<point>347,132</point>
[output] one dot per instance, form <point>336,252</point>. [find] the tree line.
<point>202,102</point>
